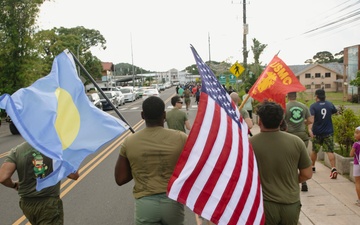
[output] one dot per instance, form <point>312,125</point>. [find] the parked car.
<point>150,92</point>
<point>167,85</point>
<point>12,126</point>
<point>111,95</point>
<point>155,86</point>
<point>95,100</point>
<point>119,95</point>
<point>162,87</point>
<point>139,92</point>
<point>129,94</point>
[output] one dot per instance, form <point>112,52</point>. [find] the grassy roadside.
<point>335,97</point>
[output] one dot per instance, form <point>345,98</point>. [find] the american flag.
<point>216,175</point>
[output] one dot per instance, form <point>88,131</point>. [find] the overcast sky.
<point>161,31</point>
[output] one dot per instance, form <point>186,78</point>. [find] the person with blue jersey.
<point>322,131</point>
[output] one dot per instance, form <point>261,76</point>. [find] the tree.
<point>356,82</point>
<point>19,64</point>
<point>323,57</point>
<point>50,43</point>
<point>254,69</point>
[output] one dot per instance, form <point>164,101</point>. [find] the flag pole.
<point>100,90</point>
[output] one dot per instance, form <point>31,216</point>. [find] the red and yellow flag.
<point>275,82</point>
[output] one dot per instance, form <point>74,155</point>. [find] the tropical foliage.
<point>344,124</point>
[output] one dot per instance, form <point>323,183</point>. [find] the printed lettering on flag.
<point>216,175</point>
<point>55,116</point>
<point>275,82</point>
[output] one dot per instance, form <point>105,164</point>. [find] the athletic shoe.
<point>304,187</point>
<point>313,168</point>
<point>357,202</point>
<point>333,174</point>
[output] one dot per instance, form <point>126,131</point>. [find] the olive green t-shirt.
<point>175,119</point>
<point>295,116</point>
<point>279,155</point>
<point>152,153</point>
<point>31,164</point>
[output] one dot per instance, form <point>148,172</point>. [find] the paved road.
<point>94,198</point>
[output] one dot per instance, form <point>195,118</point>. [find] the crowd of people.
<point>280,148</point>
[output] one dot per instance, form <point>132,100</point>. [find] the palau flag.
<point>55,116</point>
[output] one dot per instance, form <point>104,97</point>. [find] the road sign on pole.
<point>222,79</point>
<point>237,69</point>
<point>232,79</point>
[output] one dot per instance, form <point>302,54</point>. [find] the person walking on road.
<point>39,207</point>
<point>175,118</point>
<point>297,116</point>
<point>245,115</point>
<point>355,152</point>
<point>322,131</point>
<point>283,163</point>
<point>187,95</point>
<point>149,157</point>
<point>248,104</point>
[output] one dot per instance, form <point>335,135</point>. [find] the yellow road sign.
<point>237,69</point>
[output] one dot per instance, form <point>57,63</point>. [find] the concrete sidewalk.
<point>327,201</point>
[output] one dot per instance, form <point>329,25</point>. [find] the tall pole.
<point>209,48</point>
<point>245,53</point>
<point>132,62</point>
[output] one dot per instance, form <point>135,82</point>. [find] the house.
<point>328,76</point>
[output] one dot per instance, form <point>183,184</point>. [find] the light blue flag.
<point>55,116</point>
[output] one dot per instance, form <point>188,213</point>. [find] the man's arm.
<point>73,176</point>
<point>122,171</point>
<point>187,125</point>
<point>249,122</point>
<point>311,118</point>
<point>7,169</point>
<point>305,174</point>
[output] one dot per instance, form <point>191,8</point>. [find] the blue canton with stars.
<point>212,87</point>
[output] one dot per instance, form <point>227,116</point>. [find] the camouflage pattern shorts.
<point>327,142</point>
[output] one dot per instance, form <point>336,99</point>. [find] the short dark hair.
<point>291,95</point>
<point>271,114</point>
<point>320,93</point>
<point>175,99</point>
<point>153,108</point>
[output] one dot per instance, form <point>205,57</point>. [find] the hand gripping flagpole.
<point>100,90</point>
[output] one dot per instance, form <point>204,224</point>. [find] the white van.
<point>129,93</point>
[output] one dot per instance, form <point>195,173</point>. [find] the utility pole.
<point>245,30</point>
<point>132,62</point>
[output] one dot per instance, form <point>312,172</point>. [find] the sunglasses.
<point>180,102</point>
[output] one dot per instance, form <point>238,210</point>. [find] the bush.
<point>345,123</point>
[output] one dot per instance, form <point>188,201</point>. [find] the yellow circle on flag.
<point>67,122</point>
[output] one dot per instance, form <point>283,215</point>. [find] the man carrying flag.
<point>216,175</point>
<point>56,118</point>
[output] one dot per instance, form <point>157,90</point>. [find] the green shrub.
<point>345,123</point>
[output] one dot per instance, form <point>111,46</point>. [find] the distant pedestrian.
<point>248,104</point>
<point>187,95</point>
<point>322,131</point>
<point>355,152</point>
<point>283,163</point>
<point>177,89</point>
<point>181,92</point>
<point>197,95</point>
<point>245,115</point>
<point>175,118</point>
<point>297,116</point>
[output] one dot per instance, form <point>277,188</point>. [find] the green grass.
<point>335,97</point>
